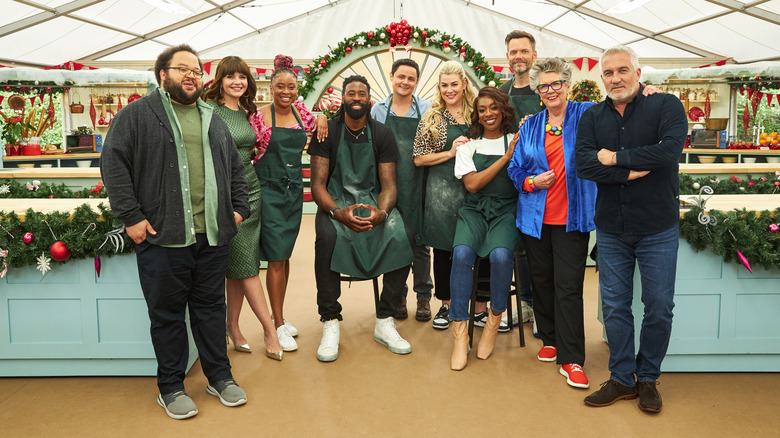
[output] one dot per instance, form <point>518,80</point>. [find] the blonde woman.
<point>442,129</point>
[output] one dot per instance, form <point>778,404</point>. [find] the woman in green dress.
<point>232,95</point>
<point>486,219</point>
<point>281,132</point>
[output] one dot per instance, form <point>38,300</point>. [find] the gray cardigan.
<point>140,171</point>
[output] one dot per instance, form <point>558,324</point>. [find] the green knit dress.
<point>244,259</point>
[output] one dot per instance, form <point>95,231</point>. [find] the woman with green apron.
<point>232,95</point>
<point>278,167</point>
<point>442,129</point>
<point>486,220</point>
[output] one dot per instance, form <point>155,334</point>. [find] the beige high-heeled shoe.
<point>488,340</point>
<point>244,348</point>
<point>460,348</point>
<point>274,356</point>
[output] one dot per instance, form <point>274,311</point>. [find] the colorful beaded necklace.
<point>553,130</point>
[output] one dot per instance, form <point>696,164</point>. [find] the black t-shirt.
<point>508,88</point>
<point>385,147</point>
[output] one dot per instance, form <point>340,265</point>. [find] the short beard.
<point>628,96</point>
<point>356,114</point>
<point>522,71</point>
<point>177,92</point>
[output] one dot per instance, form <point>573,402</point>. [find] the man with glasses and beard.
<point>358,233</point>
<point>178,185</point>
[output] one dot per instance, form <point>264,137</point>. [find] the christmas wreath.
<point>585,91</point>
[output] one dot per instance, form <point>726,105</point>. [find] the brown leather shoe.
<point>649,398</point>
<point>401,313</point>
<point>610,392</point>
<point>423,311</point>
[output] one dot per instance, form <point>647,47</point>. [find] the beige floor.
<point>370,391</point>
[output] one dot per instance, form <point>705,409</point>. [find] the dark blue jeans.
<point>462,276</point>
<point>656,255</point>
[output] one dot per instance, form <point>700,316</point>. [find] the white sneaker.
<point>528,311</point>
<point>329,346</point>
<point>285,340</point>
<point>535,330</point>
<point>386,334</point>
<point>290,329</point>
<point>504,327</point>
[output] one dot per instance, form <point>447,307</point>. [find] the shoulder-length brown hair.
<point>508,121</point>
<point>228,66</point>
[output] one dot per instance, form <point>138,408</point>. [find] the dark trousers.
<point>329,282</point>
<point>557,263</point>
<point>171,280</point>
<point>442,266</point>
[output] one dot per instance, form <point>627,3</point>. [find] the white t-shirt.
<point>464,155</point>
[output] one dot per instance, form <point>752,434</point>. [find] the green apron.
<point>525,105</point>
<point>486,220</point>
<point>279,172</point>
<point>443,195</point>
<point>408,177</point>
<point>355,180</point>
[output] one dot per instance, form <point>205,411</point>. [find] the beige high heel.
<point>488,340</point>
<point>460,349</point>
<point>244,348</point>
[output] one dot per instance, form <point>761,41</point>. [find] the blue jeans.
<point>656,255</point>
<point>462,276</point>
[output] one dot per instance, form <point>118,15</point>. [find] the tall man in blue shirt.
<point>401,112</point>
<point>630,145</point>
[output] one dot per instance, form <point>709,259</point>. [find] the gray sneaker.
<point>178,405</point>
<point>228,391</point>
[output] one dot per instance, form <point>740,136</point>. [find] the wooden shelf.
<point>721,151</point>
<point>726,168</point>
<point>54,172</point>
<point>84,156</point>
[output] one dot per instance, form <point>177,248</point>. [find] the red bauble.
<point>445,43</point>
<point>773,228</point>
<point>370,35</point>
<point>462,49</point>
<point>348,49</point>
<point>28,238</point>
<point>406,32</point>
<point>388,29</point>
<point>59,251</point>
<point>7,88</point>
<point>330,90</point>
<point>777,184</point>
<point>424,34</point>
<point>323,63</point>
<point>404,22</point>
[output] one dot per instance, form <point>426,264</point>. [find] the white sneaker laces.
<point>329,335</point>
<point>389,330</point>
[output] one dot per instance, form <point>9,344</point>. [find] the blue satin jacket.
<point>530,159</point>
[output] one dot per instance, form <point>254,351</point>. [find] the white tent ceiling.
<point>51,32</point>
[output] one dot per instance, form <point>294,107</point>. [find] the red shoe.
<point>547,354</point>
<point>575,376</point>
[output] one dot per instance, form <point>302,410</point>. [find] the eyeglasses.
<point>556,85</point>
<point>185,71</point>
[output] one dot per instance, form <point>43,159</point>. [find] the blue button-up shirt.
<point>380,109</point>
<point>648,136</point>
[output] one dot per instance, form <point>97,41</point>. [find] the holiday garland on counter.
<point>768,184</point>
<point>735,235</point>
<point>399,35</point>
<point>85,232</point>
<point>37,189</point>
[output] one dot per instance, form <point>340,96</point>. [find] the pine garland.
<point>18,190</point>
<point>68,227</point>
<point>750,235</point>
<point>732,186</point>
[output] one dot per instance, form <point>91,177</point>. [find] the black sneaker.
<point>649,398</point>
<point>480,319</point>
<point>610,392</point>
<point>442,319</point>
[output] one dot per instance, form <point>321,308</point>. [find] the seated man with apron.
<point>358,232</point>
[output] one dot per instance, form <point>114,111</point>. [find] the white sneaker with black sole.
<point>480,319</point>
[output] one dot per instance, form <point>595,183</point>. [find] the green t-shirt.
<point>189,119</point>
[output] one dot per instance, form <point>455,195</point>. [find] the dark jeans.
<point>656,255</point>
<point>502,262</point>
<point>442,266</point>
<point>524,282</point>
<point>557,262</point>
<point>421,273</point>
<point>329,282</point>
<point>173,279</point>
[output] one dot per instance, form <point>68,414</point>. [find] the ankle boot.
<point>489,333</point>
<point>460,349</point>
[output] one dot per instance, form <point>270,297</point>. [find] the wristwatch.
<point>333,210</point>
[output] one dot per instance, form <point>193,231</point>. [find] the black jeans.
<point>557,262</point>
<point>329,282</point>
<point>442,266</point>
<point>173,279</point>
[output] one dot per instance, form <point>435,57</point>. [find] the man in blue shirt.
<point>401,112</point>
<point>630,145</point>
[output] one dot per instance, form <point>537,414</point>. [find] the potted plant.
<point>12,129</point>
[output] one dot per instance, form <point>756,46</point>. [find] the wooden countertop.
<point>730,202</point>
<point>20,206</point>
<point>730,151</point>
<point>709,169</point>
<point>84,156</point>
<point>53,172</point>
